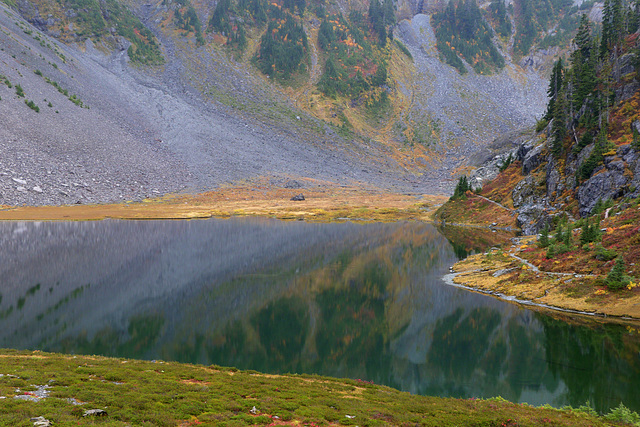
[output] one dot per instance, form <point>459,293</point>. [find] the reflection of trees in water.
<point>466,241</point>
<point>600,364</point>
<point>351,332</point>
<point>143,332</point>
<point>482,354</point>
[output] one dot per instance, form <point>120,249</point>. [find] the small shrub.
<point>19,91</point>
<point>32,105</point>
<point>586,409</point>
<point>38,73</point>
<point>505,164</point>
<point>604,254</point>
<point>617,279</point>
<point>624,415</point>
<point>541,124</point>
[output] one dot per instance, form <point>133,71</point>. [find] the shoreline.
<point>322,204</point>
<point>449,279</point>
<point>503,275</point>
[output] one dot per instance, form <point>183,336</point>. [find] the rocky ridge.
<point>550,187</point>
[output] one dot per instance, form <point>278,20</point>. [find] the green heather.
<point>152,393</point>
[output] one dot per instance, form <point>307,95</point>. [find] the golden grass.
<point>499,272</point>
<point>324,202</point>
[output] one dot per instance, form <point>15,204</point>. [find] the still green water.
<point>350,300</point>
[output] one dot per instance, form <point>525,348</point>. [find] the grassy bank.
<point>323,202</point>
<point>133,392</point>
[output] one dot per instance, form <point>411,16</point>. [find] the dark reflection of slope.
<point>466,241</point>
<point>601,362</point>
<point>359,301</point>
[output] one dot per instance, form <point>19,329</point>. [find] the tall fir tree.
<point>559,126</point>
<point>555,84</point>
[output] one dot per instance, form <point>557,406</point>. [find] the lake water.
<point>349,300</point>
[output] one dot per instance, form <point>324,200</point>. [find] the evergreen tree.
<point>389,13</point>
<point>326,34</point>
<point>616,279</point>
<point>607,23</point>
<point>555,84</point>
<point>559,127</point>
<point>583,38</point>
<point>241,38</point>
<point>612,26</point>
<point>558,237</point>
<point>567,238</point>
<point>219,20</point>
<point>543,241</point>
<point>461,188</point>
<point>499,11</point>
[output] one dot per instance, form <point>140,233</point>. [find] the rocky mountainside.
<point>586,152</point>
<point>123,102</point>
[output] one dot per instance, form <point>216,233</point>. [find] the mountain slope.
<point>141,134</point>
<point>202,114</point>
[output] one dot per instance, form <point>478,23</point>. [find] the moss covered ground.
<point>61,388</point>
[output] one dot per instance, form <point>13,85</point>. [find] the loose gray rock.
<point>292,184</point>
<point>94,413</point>
<point>40,422</point>
<point>298,197</point>
<point>19,181</point>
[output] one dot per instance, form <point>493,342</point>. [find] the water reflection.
<point>359,301</point>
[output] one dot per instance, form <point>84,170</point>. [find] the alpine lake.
<point>358,300</point>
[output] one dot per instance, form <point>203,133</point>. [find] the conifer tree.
<point>559,127</point>
<point>543,242</point>
<point>567,238</point>
<point>558,237</point>
<point>616,278</point>
<point>607,22</point>
<point>555,84</point>
<point>586,235</point>
<point>462,187</point>
<point>583,37</point>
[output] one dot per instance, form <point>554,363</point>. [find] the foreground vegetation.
<point>132,392</point>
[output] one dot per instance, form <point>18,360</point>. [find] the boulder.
<point>602,186</point>
<point>292,184</point>
<point>298,197</point>
<point>532,159</point>
<point>40,422</point>
<point>555,185</point>
<point>533,217</point>
<point>524,192</point>
<point>94,413</point>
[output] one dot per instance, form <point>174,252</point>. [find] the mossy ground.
<point>148,393</point>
